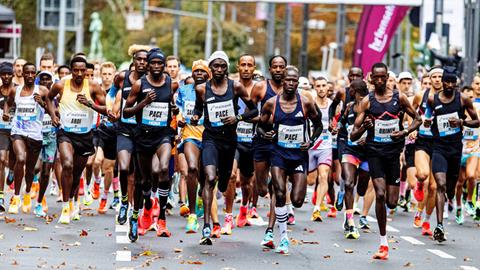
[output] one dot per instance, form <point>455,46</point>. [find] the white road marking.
<point>441,254</point>
<point>371,219</point>
<point>466,267</point>
<point>123,256</point>
<point>121,228</point>
<point>412,240</point>
<point>391,229</point>
<point>122,239</point>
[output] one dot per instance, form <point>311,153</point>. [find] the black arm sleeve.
<point>198,109</point>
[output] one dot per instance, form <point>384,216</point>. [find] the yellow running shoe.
<point>65,216</point>
<point>317,216</point>
<point>27,203</point>
<point>14,204</point>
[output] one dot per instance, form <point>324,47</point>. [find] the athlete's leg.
<point>192,155</point>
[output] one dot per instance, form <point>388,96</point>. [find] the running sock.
<point>349,218</point>
<point>289,208</point>
<point>124,199</point>
<point>427,218</point>
<point>35,178</point>
<point>403,188</point>
<point>146,198</point>
<point>155,192</point>
<point>135,214</point>
<point>418,213</point>
<point>104,195</point>
<point>215,224</point>
<point>282,217</point>
<point>207,225</point>
<point>116,184</point>
<point>316,208</point>
<point>98,180</point>
<point>163,189</point>
<point>65,205</point>
<point>383,240</point>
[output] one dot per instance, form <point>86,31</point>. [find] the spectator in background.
<point>392,80</point>
<point>405,80</point>
<point>331,90</point>
<point>47,62</point>
<point>18,71</point>
<point>63,71</point>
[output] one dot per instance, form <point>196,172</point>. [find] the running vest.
<point>5,126</point>
<point>324,141</point>
<point>74,116</point>
<point>423,131</point>
<point>217,107</point>
<point>441,128</point>
<point>127,87</point>
<point>155,115</point>
<point>269,93</point>
<point>103,119</point>
<point>349,123</point>
<point>387,118</point>
<point>244,129</point>
<point>342,131</point>
<point>186,103</point>
<point>28,115</point>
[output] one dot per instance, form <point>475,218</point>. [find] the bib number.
<point>155,114</point>
<point>130,120</point>
<point>385,128</point>
<point>244,132</point>
<point>219,110</point>
<point>26,111</point>
<point>470,133</point>
<point>76,122</point>
<point>444,128</point>
<point>290,136</point>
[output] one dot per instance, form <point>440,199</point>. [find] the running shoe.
<point>133,230</point>
<point>317,216</point>
<point>252,213</point>
<point>470,208</point>
<point>122,214</point>
<point>14,204</point>
<point>34,189</point>
<point>426,231</point>
<point>228,225</point>
<point>477,212</point>
<point>81,189</point>
<point>402,203</point>
<point>199,207</point>
<point>53,189</point>
<point>27,203</point>
<point>217,231</point>
<point>364,223</point>
<point>268,240</point>
<point>445,212</point>
<point>352,233</point>
<point>145,221</point>
<point>418,192</point>
<point>291,219</point>
<point>102,208</point>
<point>2,206</point>
<point>184,210</point>
<point>115,203</point>
<point>155,207</point>
<point>323,207</point>
<point>38,211</point>
<point>450,206</point>
<point>242,217</point>
<point>439,234</point>
<point>417,221</point>
<point>96,191</point>
<point>382,253</point>
<point>283,246</point>
<point>192,224</point>
<point>356,210</point>
<point>162,230</point>
<point>459,218</point>
<point>206,234</point>
<point>65,216</point>
<point>60,196</point>
<point>44,204</point>
<point>87,198</point>
<point>314,197</point>
<point>332,213</point>
<point>76,211</point>
<point>339,203</point>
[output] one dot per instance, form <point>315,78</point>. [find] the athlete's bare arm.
<point>316,117</point>
<point>57,90</point>
<point>267,111</point>
<point>417,119</point>
<point>362,122</point>
<point>468,105</point>
<point>199,100</point>
<point>130,107</point>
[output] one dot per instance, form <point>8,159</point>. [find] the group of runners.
<point>148,130</point>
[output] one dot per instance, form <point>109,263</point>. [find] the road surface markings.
<point>122,239</point>
<point>123,256</point>
<point>412,240</point>
<point>466,267</point>
<point>389,228</point>
<point>441,254</point>
<point>121,228</point>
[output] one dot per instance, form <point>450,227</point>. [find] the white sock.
<point>316,207</point>
<point>383,240</point>
<point>427,218</point>
<point>289,208</point>
<point>282,217</point>
<point>65,205</point>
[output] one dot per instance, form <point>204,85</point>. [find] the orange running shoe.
<point>102,209</point>
<point>382,253</point>
<point>216,231</point>
<point>417,222</point>
<point>34,190</point>
<point>184,210</point>
<point>418,192</point>
<point>162,230</point>
<point>252,213</point>
<point>44,205</point>
<point>426,229</point>
<point>242,217</point>
<point>332,213</point>
<point>145,221</point>
<point>81,188</point>
<point>155,207</point>
<point>96,191</point>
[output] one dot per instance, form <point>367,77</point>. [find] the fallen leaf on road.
<point>76,244</point>
<point>178,250</point>
<point>336,245</point>
<point>408,264</point>
<point>310,242</point>
<point>1,236</point>
<point>146,253</point>
<point>30,229</point>
<point>14,262</point>
<point>348,250</point>
<point>24,247</point>
<point>466,259</point>
<point>191,262</point>
<point>327,257</point>
<point>294,241</point>
<point>83,233</point>
<point>10,220</point>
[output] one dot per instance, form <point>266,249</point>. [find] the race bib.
<point>290,136</point>
<point>130,120</point>
<point>155,114</point>
<point>76,122</point>
<point>104,120</point>
<point>354,143</point>
<point>219,110</point>
<point>244,132</point>
<point>444,128</point>
<point>423,130</point>
<point>188,109</point>
<point>26,110</point>
<point>385,128</point>
<point>325,135</point>
<point>470,133</point>
<point>3,124</point>
<point>47,126</point>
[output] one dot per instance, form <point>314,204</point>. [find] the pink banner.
<point>374,34</point>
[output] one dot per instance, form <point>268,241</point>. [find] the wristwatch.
<point>90,104</point>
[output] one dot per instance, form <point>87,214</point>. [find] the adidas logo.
<point>299,168</point>
<point>299,114</point>
<point>210,99</point>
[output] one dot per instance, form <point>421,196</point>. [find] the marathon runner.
<point>18,71</point>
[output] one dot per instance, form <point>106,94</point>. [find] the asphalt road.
<point>95,242</point>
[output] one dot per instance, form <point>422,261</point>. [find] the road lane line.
<point>123,256</point>
<point>466,267</point>
<point>371,219</point>
<point>391,229</point>
<point>441,254</point>
<point>412,240</point>
<point>122,239</point>
<point>121,228</point>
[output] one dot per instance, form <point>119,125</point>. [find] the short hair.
<point>18,59</point>
<point>90,66</point>
<point>466,88</point>
<point>108,65</point>
<point>360,87</point>
<point>172,57</point>
<point>355,67</point>
<point>29,64</point>
<point>78,59</point>
<point>320,78</point>
<point>63,66</point>
<point>291,68</point>
<point>47,56</point>
<point>379,65</point>
<point>247,55</point>
<point>275,56</point>
<point>134,48</point>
